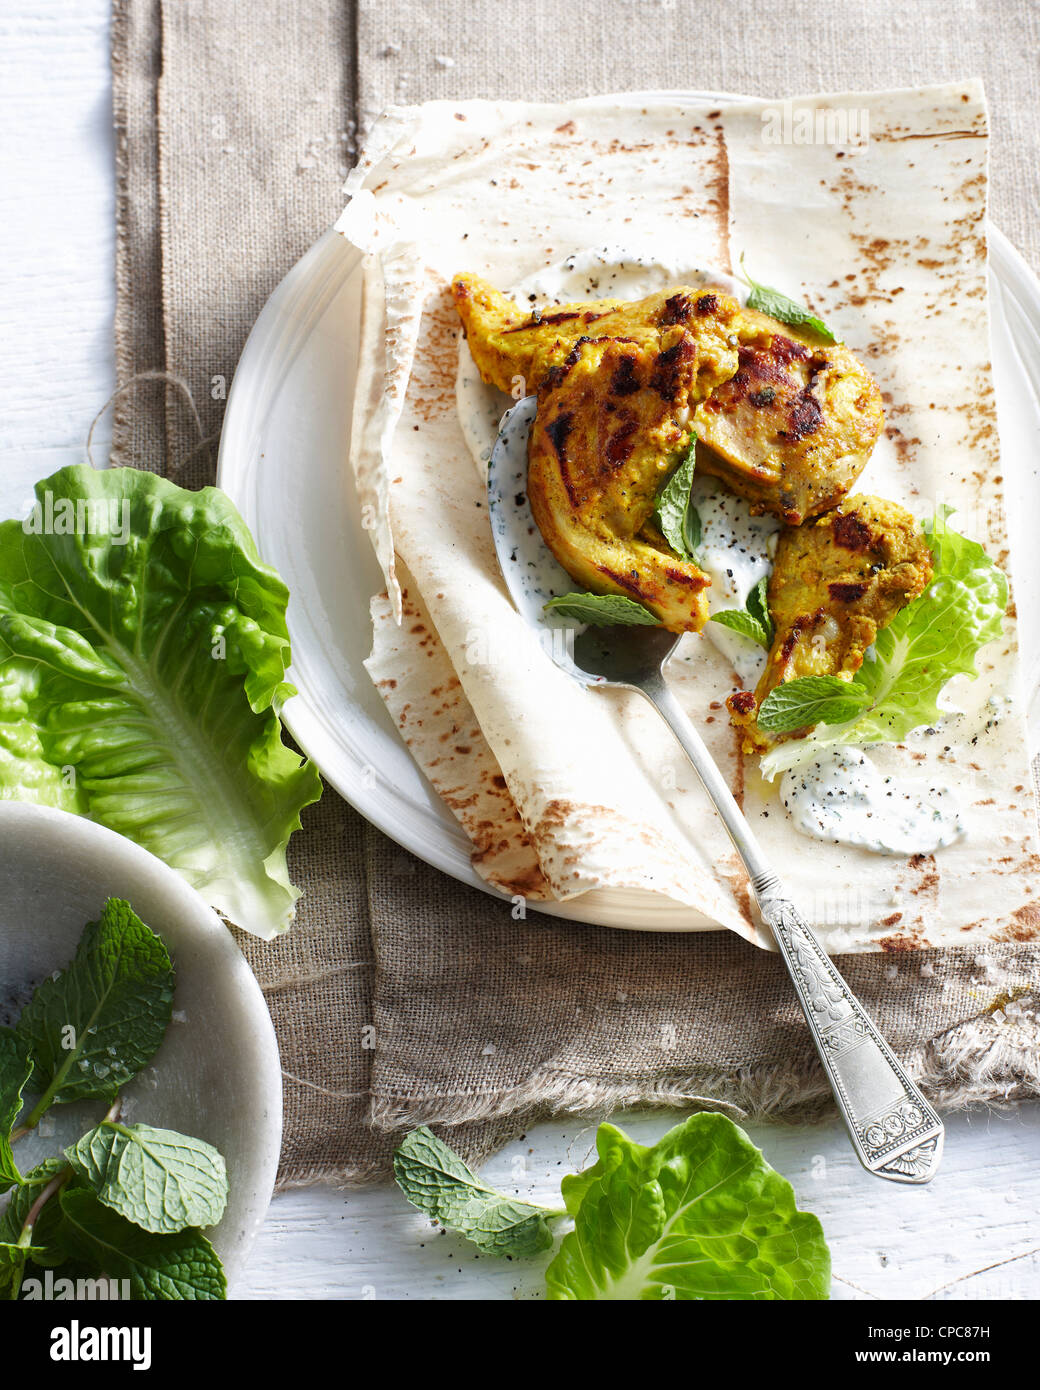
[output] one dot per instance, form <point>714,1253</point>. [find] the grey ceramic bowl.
<point>217,1074</point>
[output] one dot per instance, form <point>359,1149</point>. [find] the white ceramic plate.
<point>217,1073</point>
<point>283,459</point>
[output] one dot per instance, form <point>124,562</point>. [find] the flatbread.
<point>886,236</point>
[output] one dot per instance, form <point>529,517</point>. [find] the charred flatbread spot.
<point>760,399</point>
<point>847,593</point>
<point>851,533</point>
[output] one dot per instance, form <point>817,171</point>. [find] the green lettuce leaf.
<point>700,1215</point>
<point>143,652</point>
<point>601,610</point>
<point>933,639</point>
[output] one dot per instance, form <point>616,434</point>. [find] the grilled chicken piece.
<point>602,445</point>
<point>837,581</point>
<point>793,428</point>
<point>617,384</point>
<point>508,341</point>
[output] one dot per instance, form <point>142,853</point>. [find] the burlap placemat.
<point>401,996</point>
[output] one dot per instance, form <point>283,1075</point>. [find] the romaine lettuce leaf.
<point>700,1215</point>
<point>143,651</point>
<point>933,639</point>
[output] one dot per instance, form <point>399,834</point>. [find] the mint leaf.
<point>933,639</point>
<point>778,306</point>
<point>753,620</point>
<point>143,656</point>
<point>692,530</point>
<point>47,1248</point>
<point>699,1215</point>
<point>13,1259</point>
<point>182,1267</point>
<point>811,700</point>
<point>757,604</point>
<point>743,623</point>
<point>673,506</point>
<point>92,1027</point>
<point>601,610</point>
<point>15,1069</point>
<point>160,1180</point>
<point>436,1180</point>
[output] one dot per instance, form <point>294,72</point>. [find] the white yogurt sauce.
<point>843,798</point>
<point>736,549</point>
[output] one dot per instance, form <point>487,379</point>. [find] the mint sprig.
<point>677,517</point>
<point>126,1201</point>
<point>98,1022</point>
<point>160,1180</point>
<point>601,610</point>
<point>436,1180</point>
<point>769,301</point>
<point>42,1234</point>
<point>754,619</point>
<point>15,1070</point>
<point>811,700</point>
<point>181,1267</point>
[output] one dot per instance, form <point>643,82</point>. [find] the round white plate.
<point>217,1075</point>
<point>283,460</point>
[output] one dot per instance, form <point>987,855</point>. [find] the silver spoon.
<point>895,1132</point>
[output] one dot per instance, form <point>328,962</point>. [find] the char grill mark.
<point>624,382</point>
<point>847,593</point>
<point>805,416</point>
<point>676,310</point>
<point>851,533</point>
<point>620,443</point>
<point>667,373</point>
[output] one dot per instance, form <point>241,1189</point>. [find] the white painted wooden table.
<point>974,1233</point>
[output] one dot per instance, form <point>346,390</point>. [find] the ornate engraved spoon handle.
<point>895,1132</point>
